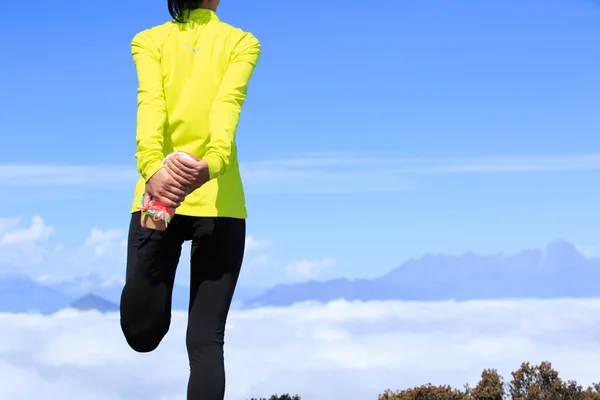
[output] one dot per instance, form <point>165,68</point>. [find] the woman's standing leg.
<point>217,253</point>
<point>152,258</point>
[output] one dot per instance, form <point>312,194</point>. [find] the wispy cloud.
<point>309,269</point>
<point>533,164</point>
<point>335,173</point>
<point>256,244</point>
<point>315,173</point>
<point>305,166</point>
<point>41,175</point>
<point>23,247</point>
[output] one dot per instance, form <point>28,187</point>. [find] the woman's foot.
<point>155,215</point>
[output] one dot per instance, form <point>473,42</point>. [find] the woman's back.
<point>192,85</point>
<point>192,75</point>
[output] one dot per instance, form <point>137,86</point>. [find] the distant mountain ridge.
<point>559,270</point>
<point>22,294</point>
<point>93,302</point>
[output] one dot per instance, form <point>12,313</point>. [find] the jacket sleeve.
<point>151,113</point>
<point>227,106</point>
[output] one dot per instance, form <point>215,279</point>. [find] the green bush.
<point>490,387</point>
<point>540,382</point>
<point>426,392</point>
<point>537,382</point>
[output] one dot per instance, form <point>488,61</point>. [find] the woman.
<point>193,73</point>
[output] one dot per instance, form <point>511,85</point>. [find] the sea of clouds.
<point>322,352</point>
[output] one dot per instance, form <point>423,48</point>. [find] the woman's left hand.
<point>189,173</point>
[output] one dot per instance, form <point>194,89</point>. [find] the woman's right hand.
<point>164,188</point>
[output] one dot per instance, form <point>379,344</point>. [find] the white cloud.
<point>260,260</point>
<point>309,269</point>
<point>589,251</point>
<point>261,270</point>
<point>103,252</point>
<point>254,244</point>
<point>22,247</point>
<point>36,232</point>
<point>105,243</point>
<point>340,350</point>
<point>316,173</point>
<point>8,225</point>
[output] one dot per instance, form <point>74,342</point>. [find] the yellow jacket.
<point>192,79</point>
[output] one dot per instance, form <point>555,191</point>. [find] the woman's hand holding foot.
<point>165,189</point>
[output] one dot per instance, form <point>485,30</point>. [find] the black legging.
<point>216,259</point>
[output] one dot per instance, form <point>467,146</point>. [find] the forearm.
<point>151,114</point>
<point>149,141</point>
<point>203,175</point>
<point>227,106</point>
<point>223,127</point>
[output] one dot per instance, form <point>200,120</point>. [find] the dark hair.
<point>178,7</point>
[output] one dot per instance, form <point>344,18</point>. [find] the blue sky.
<point>370,134</point>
